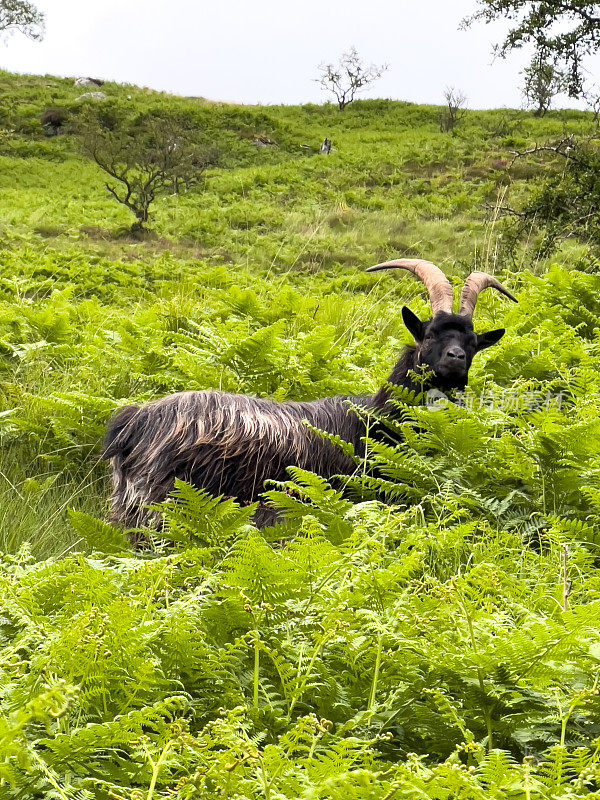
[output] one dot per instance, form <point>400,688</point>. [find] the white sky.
<point>268,51</point>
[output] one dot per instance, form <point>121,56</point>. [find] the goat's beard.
<point>451,380</point>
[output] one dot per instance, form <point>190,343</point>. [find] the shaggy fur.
<point>227,444</point>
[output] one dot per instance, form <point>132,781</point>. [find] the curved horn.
<point>437,284</point>
<point>476,283</point>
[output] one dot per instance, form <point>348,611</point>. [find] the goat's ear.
<point>488,339</point>
<point>413,323</point>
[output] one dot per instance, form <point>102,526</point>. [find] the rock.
<point>92,96</point>
<point>88,82</point>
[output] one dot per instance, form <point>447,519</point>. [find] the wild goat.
<point>229,444</point>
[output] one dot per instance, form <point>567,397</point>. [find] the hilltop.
<point>393,182</point>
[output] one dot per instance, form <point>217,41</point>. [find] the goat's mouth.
<point>451,366</point>
<point>452,374</point>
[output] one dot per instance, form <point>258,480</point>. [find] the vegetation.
<point>22,16</point>
<point>454,110</point>
<point>565,204</point>
<point>440,644</point>
<point>146,158</point>
<point>542,82</point>
<point>564,31</point>
<point>348,77</point>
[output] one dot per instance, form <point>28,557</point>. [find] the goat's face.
<point>446,346</point>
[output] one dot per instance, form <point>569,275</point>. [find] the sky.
<point>269,51</point>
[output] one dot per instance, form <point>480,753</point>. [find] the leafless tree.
<point>348,77</point>
<point>22,16</point>
<point>454,110</point>
<point>148,158</point>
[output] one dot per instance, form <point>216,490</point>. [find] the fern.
<point>424,628</point>
<point>99,535</point>
<point>195,517</point>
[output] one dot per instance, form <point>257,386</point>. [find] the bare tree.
<point>454,110</point>
<point>348,77</point>
<point>543,81</point>
<point>22,16</point>
<point>148,158</point>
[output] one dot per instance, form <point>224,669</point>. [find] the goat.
<point>229,444</point>
<point>52,121</point>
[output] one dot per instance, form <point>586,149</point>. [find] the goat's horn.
<point>476,283</point>
<point>437,284</point>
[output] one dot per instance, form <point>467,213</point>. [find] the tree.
<point>566,204</point>
<point>592,98</point>
<point>564,31</point>
<point>22,16</point>
<point>543,81</point>
<point>348,77</point>
<point>454,110</point>
<point>146,158</point>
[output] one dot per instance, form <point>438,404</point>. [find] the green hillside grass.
<point>441,645</point>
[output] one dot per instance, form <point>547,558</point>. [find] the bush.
<point>566,204</point>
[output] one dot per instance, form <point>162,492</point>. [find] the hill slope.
<point>443,644</point>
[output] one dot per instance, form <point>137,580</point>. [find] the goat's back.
<point>227,444</point>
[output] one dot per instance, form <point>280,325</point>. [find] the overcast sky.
<point>268,51</point>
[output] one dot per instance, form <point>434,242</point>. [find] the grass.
<point>275,237</point>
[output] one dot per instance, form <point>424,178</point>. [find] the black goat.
<point>229,444</point>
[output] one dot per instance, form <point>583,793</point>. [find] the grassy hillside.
<point>442,645</point>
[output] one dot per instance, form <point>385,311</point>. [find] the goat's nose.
<point>456,352</point>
